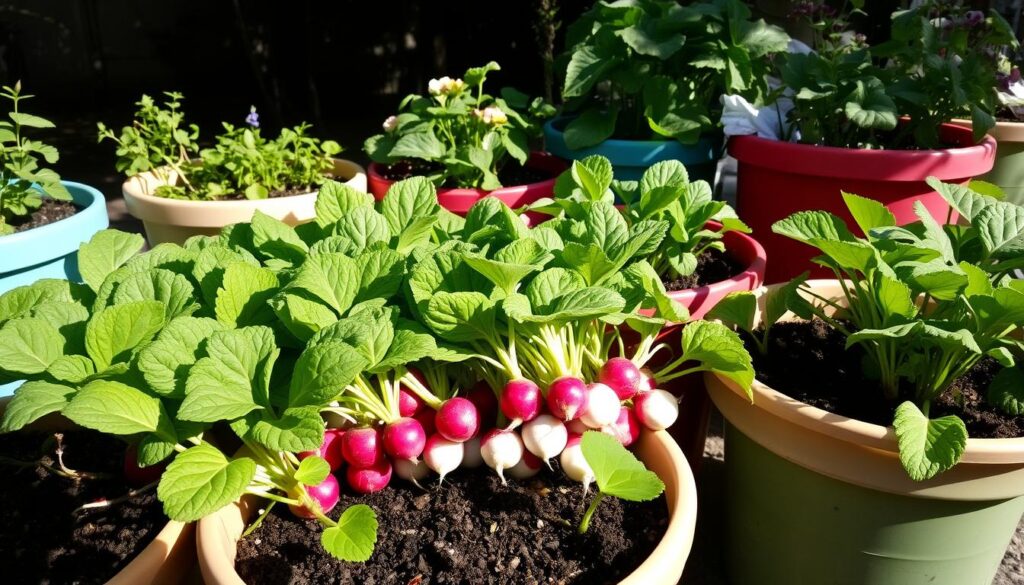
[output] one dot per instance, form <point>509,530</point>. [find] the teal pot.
<point>814,497</point>
<point>630,158</point>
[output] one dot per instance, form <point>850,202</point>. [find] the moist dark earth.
<point>41,540</point>
<point>712,266</point>
<point>50,211</point>
<point>470,529</point>
<point>510,175</point>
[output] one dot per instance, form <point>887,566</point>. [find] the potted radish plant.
<point>43,219</point>
<point>886,418</point>
<point>470,144</point>
<point>179,190</point>
<point>642,81</point>
<point>483,359</point>
<point>702,254</point>
<point>871,120</point>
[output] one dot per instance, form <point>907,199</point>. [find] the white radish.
<point>656,409</point>
<point>527,467</point>
<point>471,458</point>
<point>575,464</point>
<point>602,406</point>
<point>410,470</point>
<point>501,449</point>
<point>545,437</point>
<point>442,456</point>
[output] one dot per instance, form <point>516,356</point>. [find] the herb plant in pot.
<point>179,190</point>
<point>885,442</point>
<point>642,81</point>
<point>43,219</point>
<point>468,143</point>
<point>703,254</point>
<point>867,120</point>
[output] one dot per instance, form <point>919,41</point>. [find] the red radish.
<point>362,447</point>
<point>329,450</point>
<point>576,427</point>
<point>486,404</point>
<point>408,402</point>
<point>602,406</point>
<point>457,420</point>
<point>442,456</point>
<point>656,409</point>
<point>324,494</point>
<point>366,480</point>
<point>409,470</point>
<point>527,467</point>
<point>622,376</point>
<point>626,428</point>
<point>471,457</point>
<point>404,438</point>
<point>136,476</point>
<point>501,449</point>
<point>575,464</point>
<point>545,437</point>
<point>520,401</point>
<point>567,397</point>
<point>647,381</point>
<point>426,418</point>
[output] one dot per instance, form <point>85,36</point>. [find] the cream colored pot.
<point>173,220</point>
<point>218,534</point>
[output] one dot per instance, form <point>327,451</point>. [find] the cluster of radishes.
<point>461,432</point>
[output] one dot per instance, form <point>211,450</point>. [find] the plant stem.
<point>585,522</point>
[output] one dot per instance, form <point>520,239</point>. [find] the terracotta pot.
<point>816,497</point>
<point>172,220</point>
<point>776,179</point>
<point>218,534</point>
<point>460,200</point>
<point>1008,171</point>
<point>167,560</point>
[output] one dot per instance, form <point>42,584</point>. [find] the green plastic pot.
<point>1008,171</point>
<point>813,497</point>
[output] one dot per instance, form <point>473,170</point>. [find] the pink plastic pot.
<point>460,200</point>
<point>777,179</point>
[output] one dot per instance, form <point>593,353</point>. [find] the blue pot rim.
<point>634,153</point>
<point>58,239</point>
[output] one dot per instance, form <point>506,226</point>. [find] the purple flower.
<point>973,18</point>
<point>253,119</point>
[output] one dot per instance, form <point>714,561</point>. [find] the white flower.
<point>492,116</point>
<point>390,124</point>
<point>446,85</point>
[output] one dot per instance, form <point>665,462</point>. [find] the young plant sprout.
<point>617,473</point>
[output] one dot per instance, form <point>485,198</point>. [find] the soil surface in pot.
<point>712,266</point>
<point>287,192</point>
<point>50,211</point>
<point>41,539</point>
<point>471,529</point>
<point>510,175</point>
<point>807,361</point>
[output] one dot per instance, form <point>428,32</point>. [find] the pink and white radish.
<point>577,427</point>
<point>404,438</point>
<point>501,449</point>
<point>442,456</point>
<point>656,409</point>
<point>408,403</point>
<point>545,437</point>
<point>410,470</point>
<point>622,376</point>
<point>367,480</point>
<point>471,457</point>
<point>626,428</point>
<point>362,447</point>
<point>647,381</point>
<point>567,397</point>
<point>457,420</point>
<point>602,406</point>
<point>329,450</point>
<point>527,467</point>
<point>325,495</point>
<point>574,464</point>
<point>520,401</point>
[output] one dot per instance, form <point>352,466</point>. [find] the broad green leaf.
<point>20,301</point>
<point>736,309</point>
<point>668,173</point>
<point>107,251</point>
<point>32,401</point>
<point>114,333</point>
<point>332,278</point>
<point>165,362</point>
<point>594,175</point>
<point>210,266</point>
<point>461,316</point>
<point>719,350</point>
<point>380,274</point>
<point>407,201</point>
<point>301,315</point>
<point>29,346</point>
<point>647,39</point>
<point>928,446</point>
<point>868,213</point>
<point>173,290</point>
<point>115,408</point>
<point>243,295</point>
<point>201,481</point>
<point>276,239</point>
<point>998,224</point>
<point>322,372</point>
<point>807,226</point>
<point>586,67</point>
<point>409,345</point>
<point>335,200</point>
<point>544,288</point>
<point>592,127</point>
<point>968,203</point>
<point>1006,391</point>
<point>617,471</point>
<point>71,368</point>
<point>297,429</point>
<point>355,535</point>
<point>422,145</point>
<point>364,226</point>
<point>312,470</point>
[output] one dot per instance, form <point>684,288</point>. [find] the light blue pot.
<point>50,251</point>
<point>630,158</point>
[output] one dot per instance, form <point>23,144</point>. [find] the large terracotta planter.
<point>167,560</point>
<point>174,221</point>
<point>218,534</point>
<point>815,497</point>
<point>1008,171</point>
<point>630,158</point>
<point>776,179</point>
<point>460,200</point>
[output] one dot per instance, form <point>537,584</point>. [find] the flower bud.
<point>390,123</point>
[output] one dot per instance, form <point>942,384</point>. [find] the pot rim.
<point>635,152</point>
<point>1003,131</point>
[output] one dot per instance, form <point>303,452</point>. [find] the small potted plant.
<point>179,190</point>
<point>871,120</point>
<point>642,82</point>
<point>468,143</point>
<point>886,416</point>
<point>43,219</point>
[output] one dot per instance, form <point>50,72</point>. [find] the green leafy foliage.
<point>355,535</point>
<point>618,473</point>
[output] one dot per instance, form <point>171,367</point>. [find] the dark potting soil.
<point>287,192</point>
<point>712,266</point>
<point>509,175</point>
<point>50,211</point>
<point>471,529</point>
<point>807,361</point>
<point>40,539</point>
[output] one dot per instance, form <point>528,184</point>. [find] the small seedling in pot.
<point>617,472</point>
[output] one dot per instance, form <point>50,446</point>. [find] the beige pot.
<point>218,534</point>
<point>167,560</point>
<point>172,220</point>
